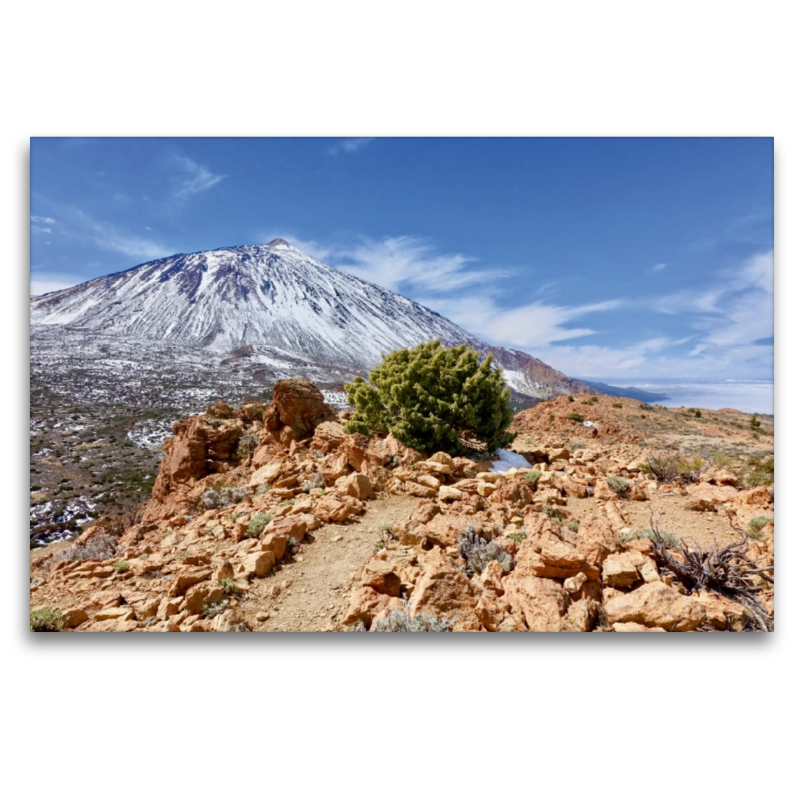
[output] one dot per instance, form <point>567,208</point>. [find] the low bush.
<point>477,553</point>
<point>576,417</point>
<point>211,610</point>
<point>755,526</point>
<point>616,405</point>
<point>101,547</point>
<point>256,525</point>
<point>223,496</point>
<point>229,586</point>
<point>121,566</point>
<point>618,485</point>
<point>46,620</point>
<point>666,466</point>
<point>533,476</point>
<point>401,621</point>
<point>518,537</point>
<point>247,443</point>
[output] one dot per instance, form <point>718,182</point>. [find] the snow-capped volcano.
<point>272,303</point>
<point>272,295</point>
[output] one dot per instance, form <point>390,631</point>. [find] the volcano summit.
<point>276,306</point>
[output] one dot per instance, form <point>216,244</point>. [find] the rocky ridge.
<point>257,522</point>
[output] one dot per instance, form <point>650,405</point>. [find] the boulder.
<point>327,437</point>
<point>516,493</point>
<point>657,606</point>
<point>73,617</point>
<point>485,488</point>
<point>381,576</point>
<point>596,541</point>
<point>705,497</point>
<point>200,594</point>
<point>634,627</point>
<point>364,604</point>
<point>721,613</point>
<point>186,578</point>
<point>356,485</point>
<point>259,563</point>
<point>418,490</point>
<point>540,602</point>
<point>449,494</point>
<point>621,569</point>
<point>444,529</point>
<point>336,508</point>
<point>297,404</point>
<point>445,592</point>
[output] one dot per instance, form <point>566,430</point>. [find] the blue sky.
<point>631,258</point>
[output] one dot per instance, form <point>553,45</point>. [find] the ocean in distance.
<point>748,396</point>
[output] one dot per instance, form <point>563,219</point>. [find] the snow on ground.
<point>335,399</point>
<point>508,460</point>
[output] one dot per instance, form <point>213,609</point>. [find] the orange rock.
<point>356,485</point>
<point>365,603</point>
<point>621,569</point>
<point>335,508</point>
<point>444,591</point>
<point>540,602</point>
<point>298,405</point>
<point>259,563</point>
<point>381,576</point>
<point>656,605</point>
<point>186,578</point>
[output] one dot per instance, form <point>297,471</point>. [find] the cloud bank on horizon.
<point>557,247</point>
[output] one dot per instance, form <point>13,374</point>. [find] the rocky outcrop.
<point>297,408</point>
<point>480,551</point>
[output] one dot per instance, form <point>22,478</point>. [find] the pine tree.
<point>433,398</point>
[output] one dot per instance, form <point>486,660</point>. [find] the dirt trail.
<point>310,591</point>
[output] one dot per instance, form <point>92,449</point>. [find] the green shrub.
<point>46,620</point>
<point>760,472</point>
<point>664,466</point>
<point>754,423</point>
<point>211,610</point>
<point>570,398</point>
<point>229,586</point>
<point>576,417</point>
<point>616,405</point>
<point>518,537</point>
<point>533,476</point>
<point>755,527</point>
<point>618,485</point>
<point>121,566</point>
<point>256,525</point>
<point>433,398</point>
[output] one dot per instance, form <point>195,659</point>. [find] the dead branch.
<point>728,572</point>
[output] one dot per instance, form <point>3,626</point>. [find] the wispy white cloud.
<point>530,325</point>
<point>40,230</point>
<point>659,267</point>
<point>193,178</point>
<point>112,237</point>
<point>351,145</point>
<point>43,220</point>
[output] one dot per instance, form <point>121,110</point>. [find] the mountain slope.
<point>273,305</point>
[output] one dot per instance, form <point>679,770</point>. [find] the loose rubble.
<point>483,546</point>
